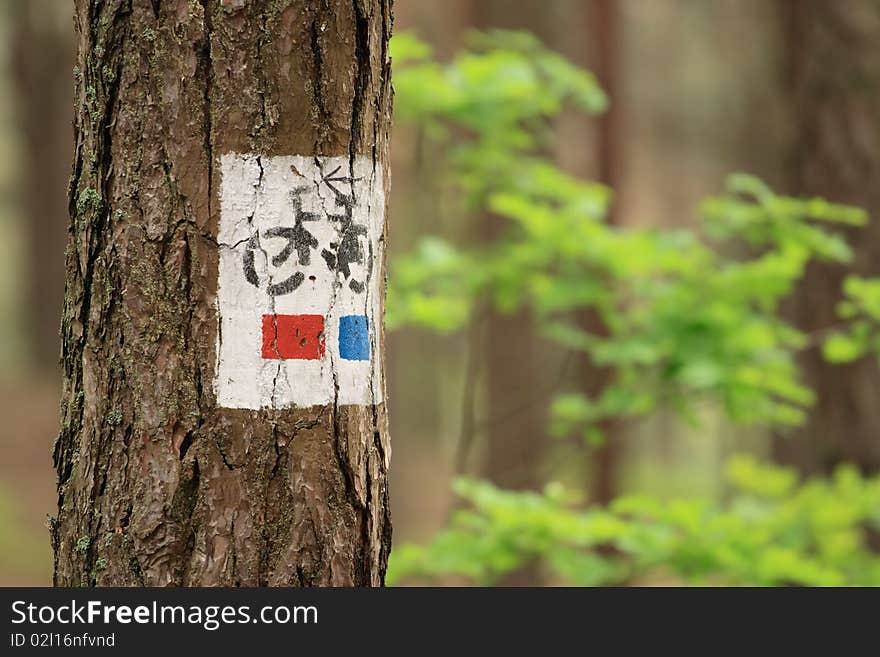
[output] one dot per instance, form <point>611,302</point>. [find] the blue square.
<point>354,337</point>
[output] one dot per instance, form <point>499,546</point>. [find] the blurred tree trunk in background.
<point>591,148</point>
<point>516,362</point>
<point>833,73</point>
<point>516,427</point>
<point>425,398</point>
<point>517,367</point>
<point>604,37</point>
<point>157,485</point>
<point>42,63</point>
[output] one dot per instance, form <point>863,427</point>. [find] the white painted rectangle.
<point>299,236</point>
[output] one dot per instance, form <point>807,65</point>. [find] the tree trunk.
<point>607,457</point>
<point>174,467</point>
<point>516,427</point>
<point>833,52</point>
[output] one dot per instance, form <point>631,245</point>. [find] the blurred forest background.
<point>674,383</point>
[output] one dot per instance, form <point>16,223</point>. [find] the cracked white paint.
<point>256,196</point>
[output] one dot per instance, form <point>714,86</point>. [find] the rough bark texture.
<point>156,484</point>
<point>834,57</point>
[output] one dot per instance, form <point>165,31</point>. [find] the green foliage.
<point>485,113</point>
<point>500,90</point>
<point>433,287</point>
<point>687,317</point>
<point>773,531</point>
<point>861,311</point>
<point>684,320</point>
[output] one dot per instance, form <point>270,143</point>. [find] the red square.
<point>298,337</point>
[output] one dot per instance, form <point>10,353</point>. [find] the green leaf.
<point>843,348</point>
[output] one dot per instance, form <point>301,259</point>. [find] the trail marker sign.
<point>299,281</point>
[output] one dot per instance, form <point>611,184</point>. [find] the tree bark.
<point>157,484</point>
<point>833,57</point>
